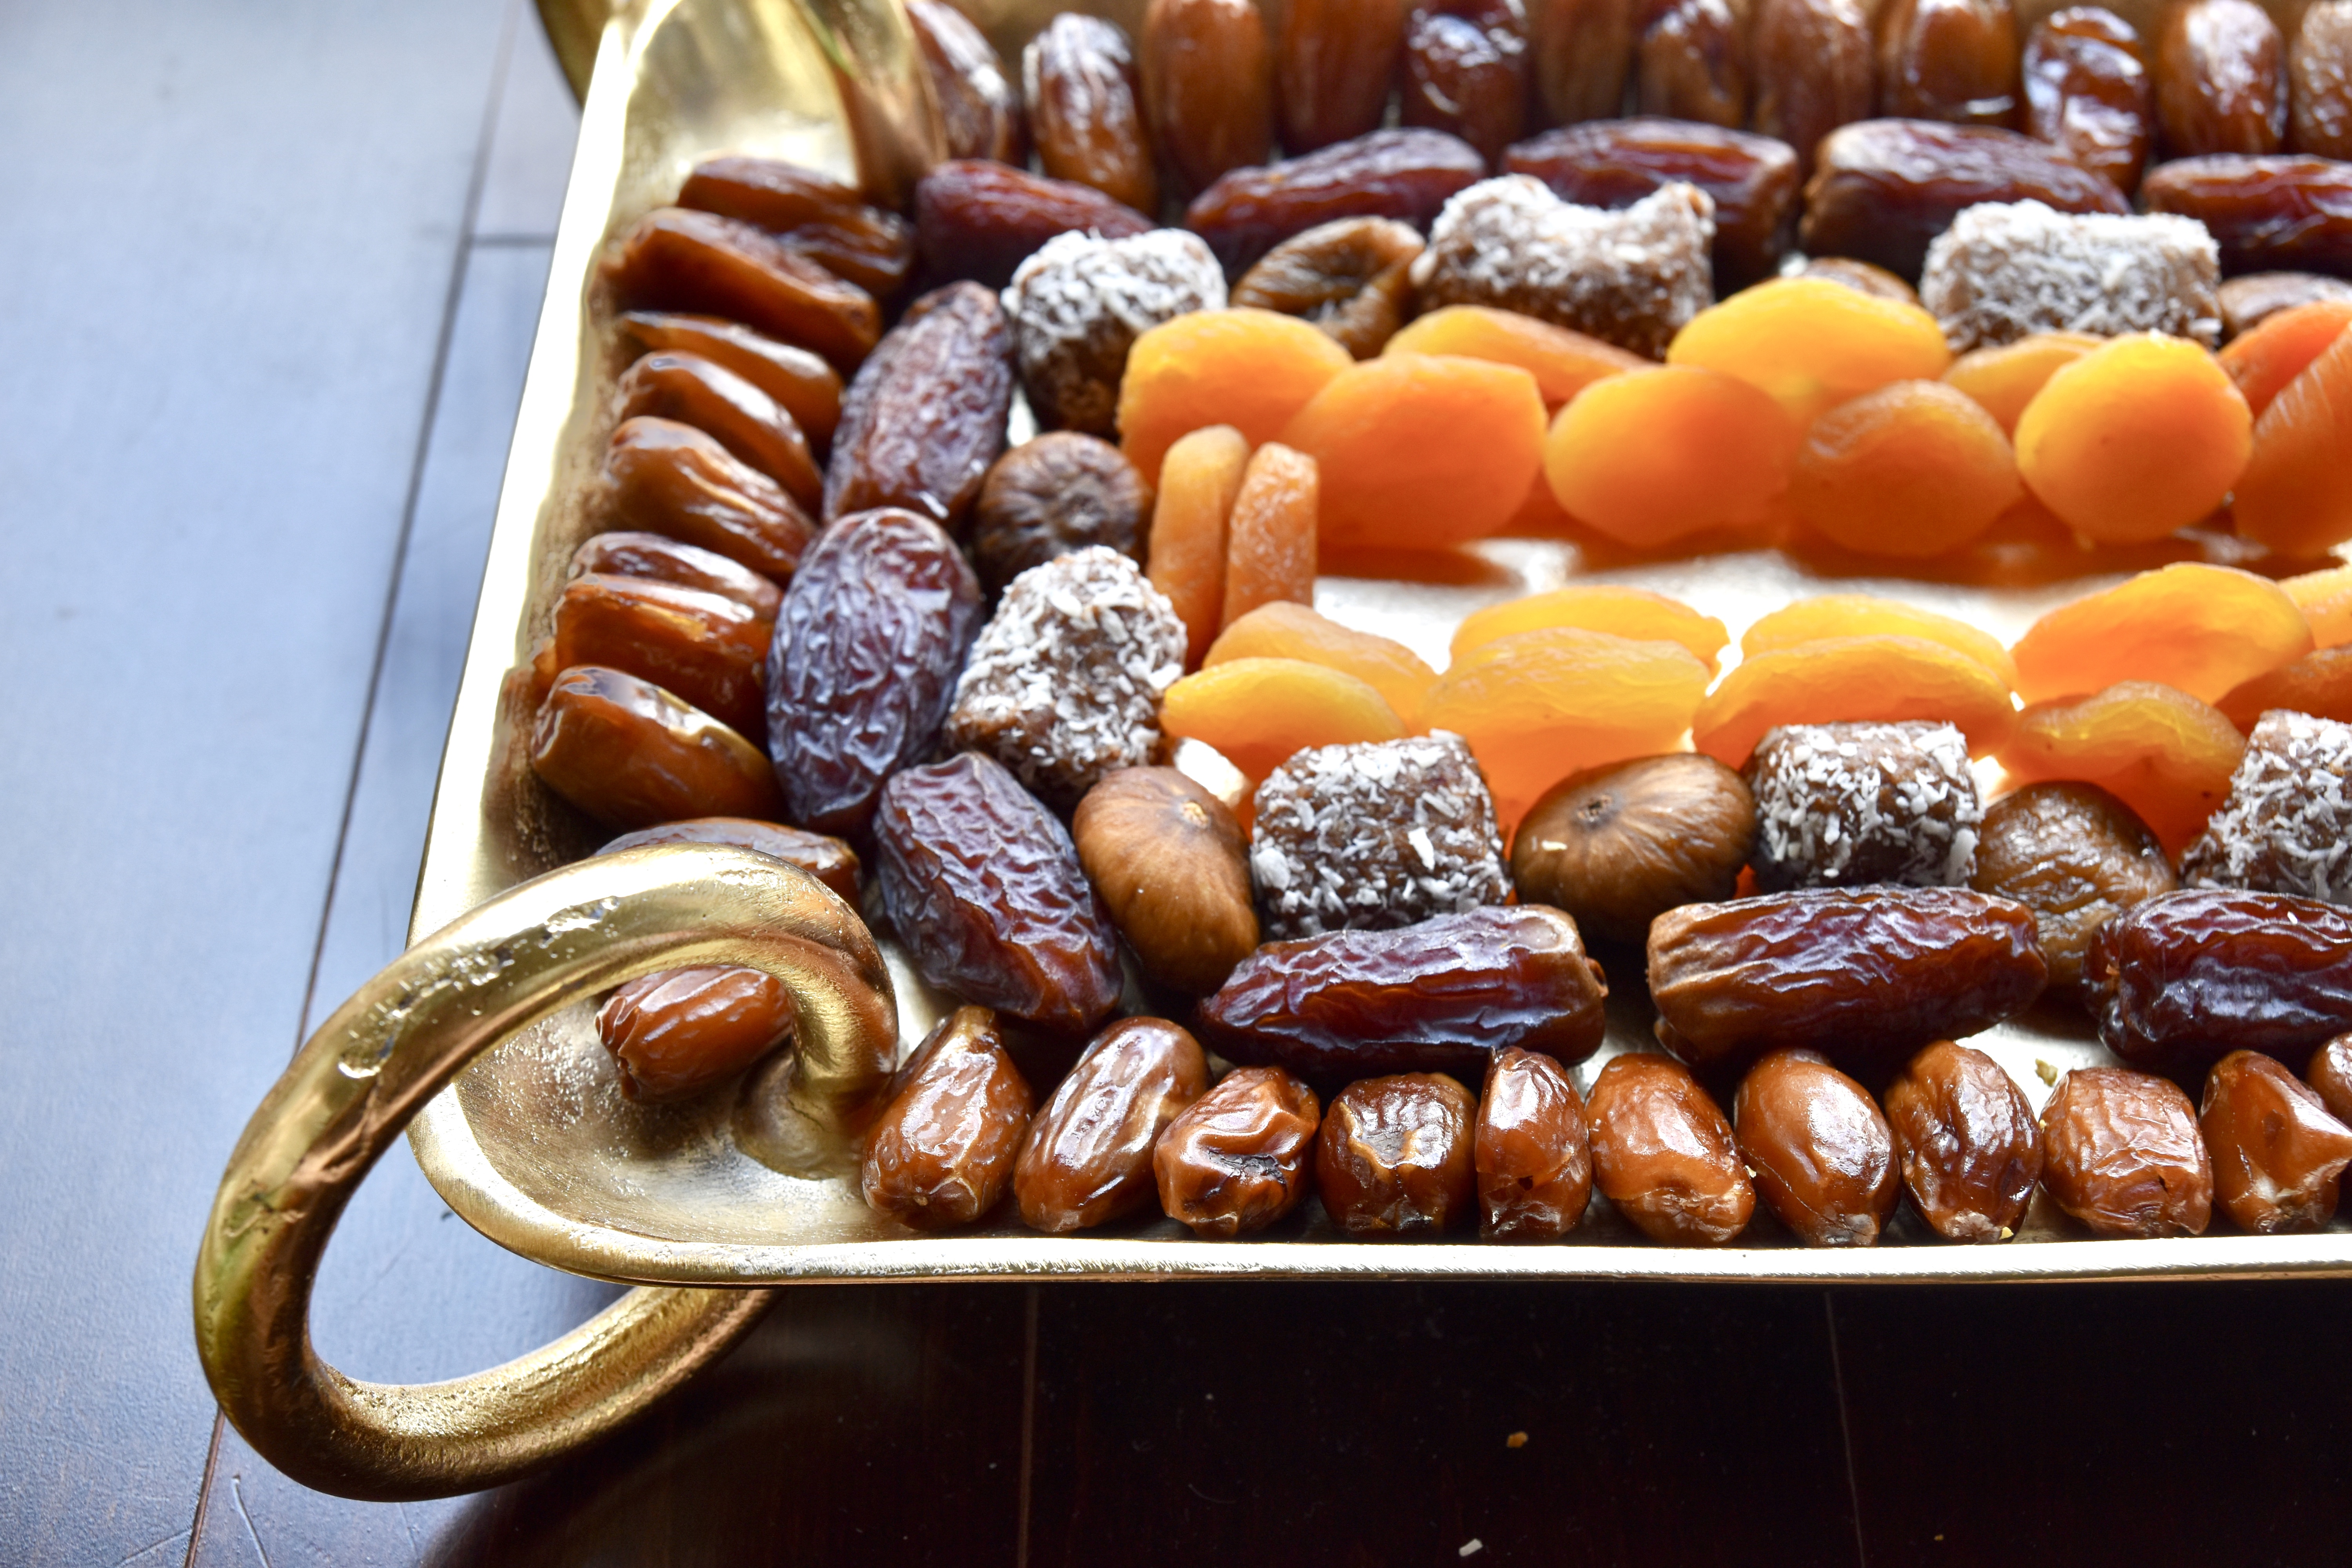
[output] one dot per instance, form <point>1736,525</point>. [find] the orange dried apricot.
<point>2003,379</point>
<point>1563,363</point>
<point>1538,706</point>
<point>2200,628</point>
<point>1247,368</point>
<point>1259,712</point>
<point>1872,677</point>
<point>1913,468</point>
<point>2319,684</point>
<point>1198,484</point>
<point>2139,437</point>
<point>2325,600</point>
<point>1423,450</point>
<point>1651,456</point>
<point>2265,357</point>
<point>2163,753</point>
<point>1634,612</point>
<point>1866,615</point>
<point>1270,535</point>
<point>1812,344</point>
<point>1285,630</point>
<point>2297,493</point>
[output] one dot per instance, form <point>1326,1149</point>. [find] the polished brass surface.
<point>517,959</point>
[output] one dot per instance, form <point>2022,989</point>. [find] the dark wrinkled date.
<point>2279,213</point>
<point>1240,1157</point>
<point>1531,1150</point>
<point>1664,1155</point>
<point>1965,1137</point>
<point>925,417</point>
<point>2183,979</point>
<point>1465,71</point>
<point>1085,117</point>
<point>1820,1153</point>
<point>1393,1155</point>
<point>2088,91</point>
<point>978,219</point>
<point>2278,1154</point>
<point>1440,996</point>
<point>979,109</point>
<point>2121,1153</point>
<point>1087,1159</point>
<point>1406,175</point>
<point>942,1151</point>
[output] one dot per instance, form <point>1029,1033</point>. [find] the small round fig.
<point>1619,846</point>
<point>2076,857</point>
<point>1823,1156</point>
<point>1168,858</point>
<point>1351,278</point>
<point>1054,496</point>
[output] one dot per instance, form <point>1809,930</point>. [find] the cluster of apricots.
<point>2146,689</point>
<point>1797,404</point>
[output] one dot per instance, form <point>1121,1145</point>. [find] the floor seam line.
<point>1028,1423</point>
<point>1846,1433</point>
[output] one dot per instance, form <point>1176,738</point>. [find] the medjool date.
<point>2088,91</point>
<point>1405,173</point>
<point>925,417</point>
<point>2183,979</point>
<point>1087,1158</point>
<point>980,219</point>
<point>2281,214</point>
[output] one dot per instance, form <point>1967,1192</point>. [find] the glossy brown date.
<point>1239,1158</point>
<point>985,890</point>
<point>1967,1143</point>
<point>1819,1150</point>
<point>2281,214</point>
<point>942,1151</point>
<point>1811,62</point>
<point>2220,80</point>
<point>1393,1155</point>
<point>677,259</point>
<point>1333,65</point>
<point>1664,1155</point>
<point>818,217</point>
<point>716,401</point>
<point>1531,1150</point>
<point>980,220</point>
<point>1582,54</point>
<point>1868,973</point>
<point>2278,1155</point>
<point>1440,996</point>
<point>1077,78</point>
<point>2121,1153</point>
<point>703,648</point>
<point>1952,60</point>
<point>2319,81</point>
<point>681,1031</point>
<point>2329,1074</point>
<point>2075,856</point>
<point>632,755</point>
<point>1883,189</point>
<point>1616,162</point>
<point>1208,87</point>
<point>828,858</point>
<point>1171,866</point>
<point>1862,277</point>
<point>802,385</point>
<point>2088,91</point>
<point>980,110</point>
<point>2183,979</point>
<point>1352,278</point>
<point>1465,71</point>
<point>1087,1159</point>
<point>659,560</point>
<point>925,417</point>
<point>672,479</point>
<point>1690,61</point>
<point>1405,173</point>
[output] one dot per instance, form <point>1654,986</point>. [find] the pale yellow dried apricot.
<point>2325,600</point>
<point>1270,536</point>
<point>1868,614</point>
<point>2003,379</point>
<point>1247,368</point>
<point>1197,482</point>
<point>1563,363</point>
<point>1913,468</point>
<point>2276,349</point>
<point>1259,711</point>
<point>2297,491</point>
<point>2161,751</point>
<point>2139,438</point>
<point>2200,628</point>
<point>1835,680</point>
<point>1296,631</point>
<point>1812,344</point>
<point>1648,457</point>
<point>1634,612</point>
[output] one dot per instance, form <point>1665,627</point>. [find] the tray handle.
<point>399,1040</point>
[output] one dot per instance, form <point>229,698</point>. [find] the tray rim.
<point>459,872</point>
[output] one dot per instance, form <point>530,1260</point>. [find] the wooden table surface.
<point>272,274</point>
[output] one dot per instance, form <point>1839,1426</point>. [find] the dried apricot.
<point>1538,706</point>
<point>1247,368</point>
<point>2198,627</point>
<point>1867,615</point>
<point>2325,600</point>
<point>1634,612</point>
<point>1258,712</point>
<point>2266,356</point>
<point>1270,534</point>
<point>1285,630</point>
<point>1563,363</point>
<point>2139,437</point>
<point>2159,750</point>
<point>1913,468</point>
<point>2319,684</point>
<point>1197,482</point>
<point>2297,493</point>
<point>1420,451</point>
<point>1653,455</point>
<point>1836,679</point>
<point>1812,344</point>
<point>2003,379</point>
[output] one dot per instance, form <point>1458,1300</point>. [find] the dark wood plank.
<point>2100,1424</point>
<point>1371,1424</point>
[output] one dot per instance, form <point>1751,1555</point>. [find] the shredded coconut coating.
<point>1080,302</point>
<point>1631,276</point>
<point>1065,680</point>
<point>2007,269</point>
<point>2287,826</point>
<point>1840,805</point>
<point>1374,837</point>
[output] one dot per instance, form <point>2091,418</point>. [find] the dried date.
<point>1406,175</point>
<point>867,648</point>
<point>2088,91</point>
<point>1582,53</point>
<point>1393,1155</point>
<point>2121,1153</point>
<point>802,385</point>
<point>1664,1155</point>
<point>1691,61</point>
<point>980,220</point>
<point>716,401</point>
<point>979,111</point>
<point>827,858</point>
<point>1333,65</point>
<point>1615,163</point>
<point>1208,87</point>
<point>1466,71</point>
<point>1237,1159</point>
<point>1811,63</point>
<point>1531,1150</point>
<point>2278,1156</point>
<point>818,217</point>
<point>942,1149</point>
<point>1819,1151</point>
<point>1953,60</point>
<point>1077,78</point>
<point>2319,81</point>
<point>660,559</point>
<point>2279,214</point>
<point>632,755</point>
<point>2181,980</point>
<point>2220,80</point>
<point>672,479</point>
<point>1439,997</point>
<point>703,648</point>
<point>677,259</point>
<point>1868,973</point>
<point>1965,1137</point>
<point>1087,1159</point>
<point>675,1034</point>
<point>925,417</point>
<point>2330,1074</point>
<point>1352,278</point>
<point>985,890</point>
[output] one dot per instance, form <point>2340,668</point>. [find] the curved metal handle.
<point>404,1037</point>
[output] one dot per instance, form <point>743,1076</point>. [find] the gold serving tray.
<point>534,1144</point>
